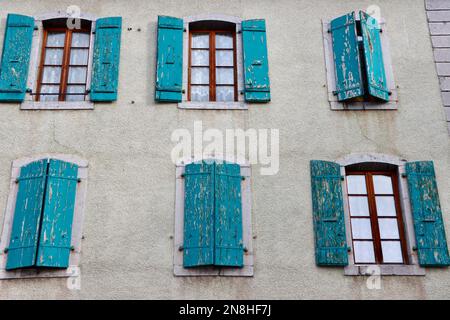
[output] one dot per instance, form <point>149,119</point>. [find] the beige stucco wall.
<point>129,217</point>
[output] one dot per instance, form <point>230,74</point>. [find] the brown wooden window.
<point>212,63</point>
<point>376,221</point>
<point>63,67</point>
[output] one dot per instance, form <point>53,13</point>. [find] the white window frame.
<point>331,76</point>
<point>73,270</point>
<point>247,269</point>
<point>411,269</point>
<point>36,51</point>
<point>211,105</point>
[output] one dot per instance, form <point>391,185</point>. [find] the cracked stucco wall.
<point>129,217</point>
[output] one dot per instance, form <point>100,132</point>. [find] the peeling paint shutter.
<point>16,57</point>
<point>346,58</point>
<point>169,67</point>
<point>256,65</point>
<point>426,210</point>
<point>199,215</point>
<point>56,230</point>
<point>328,214</point>
<point>373,53</point>
<point>229,248</point>
<point>105,74</point>
<point>27,215</point>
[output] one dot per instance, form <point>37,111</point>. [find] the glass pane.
<point>199,93</point>
<point>53,56</point>
<point>200,57</point>
<point>361,229</point>
<point>224,93</point>
<point>56,39</point>
<point>385,206</point>
<point>200,75</point>
<point>224,76</point>
<point>392,252</point>
<point>388,228</point>
<point>70,96</point>
<point>49,89</point>
<point>77,75</point>
<point>359,206</point>
<point>200,41</point>
<point>356,184</point>
<point>51,75</point>
<point>224,41</point>
<point>80,39</point>
<point>363,252</point>
<point>382,185</point>
<point>224,58</point>
<point>79,56</point>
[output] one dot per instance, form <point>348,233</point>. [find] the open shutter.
<point>169,68</point>
<point>428,224</point>
<point>229,248</point>
<point>373,53</point>
<point>328,214</point>
<point>198,244</point>
<point>27,215</point>
<point>256,65</point>
<point>16,57</point>
<point>347,63</point>
<point>59,204</point>
<point>105,74</point>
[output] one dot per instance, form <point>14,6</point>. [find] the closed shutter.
<point>426,210</point>
<point>169,64</point>
<point>256,65</point>
<point>16,57</point>
<point>328,214</point>
<point>105,74</point>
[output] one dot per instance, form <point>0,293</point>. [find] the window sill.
<point>57,105</point>
<point>384,270</point>
<point>72,271</point>
<point>213,105</point>
<point>391,105</point>
<point>246,271</point>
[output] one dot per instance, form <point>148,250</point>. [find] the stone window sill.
<point>384,270</point>
<point>32,273</point>
<point>57,105</point>
<point>213,105</point>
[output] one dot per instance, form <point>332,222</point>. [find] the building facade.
<point>349,198</point>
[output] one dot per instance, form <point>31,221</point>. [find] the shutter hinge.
<point>72,248</point>
<point>6,250</point>
<point>390,93</point>
<point>349,249</point>
<point>404,175</point>
<point>180,248</point>
<point>184,30</point>
<point>245,249</point>
<point>35,28</point>
<point>342,178</point>
<point>414,248</point>
<point>183,91</point>
<point>88,90</point>
<point>335,93</point>
<point>329,30</point>
<point>243,178</point>
<point>381,30</point>
<point>78,180</point>
<point>183,175</point>
<point>239,32</point>
<point>17,180</point>
<point>28,90</point>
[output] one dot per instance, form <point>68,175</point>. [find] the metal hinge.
<point>180,248</point>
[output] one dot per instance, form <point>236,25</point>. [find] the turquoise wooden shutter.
<point>346,58</point>
<point>426,210</point>
<point>229,247</point>
<point>328,214</point>
<point>169,64</point>
<point>16,57</point>
<point>373,53</point>
<point>27,215</point>
<point>105,74</point>
<point>56,227</point>
<point>256,65</point>
<point>198,244</point>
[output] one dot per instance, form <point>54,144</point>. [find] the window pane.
<point>80,39</point>
<point>392,252</point>
<point>200,41</point>
<point>361,229</point>
<point>200,75</point>
<point>199,93</point>
<point>224,58</point>
<point>200,57</point>
<point>224,93</point>
<point>359,206</point>
<point>53,56</point>
<point>56,39</point>
<point>363,252</point>
<point>356,184</point>
<point>79,56</point>
<point>385,206</point>
<point>224,41</point>
<point>77,75</point>
<point>70,96</point>
<point>224,76</point>
<point>382,185</point>
<point>49,90</point>
<point>51,75</point>
<point>388,228</point>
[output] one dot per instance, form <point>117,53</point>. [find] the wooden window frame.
<point>212,63</point>
<point>376,238</point>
